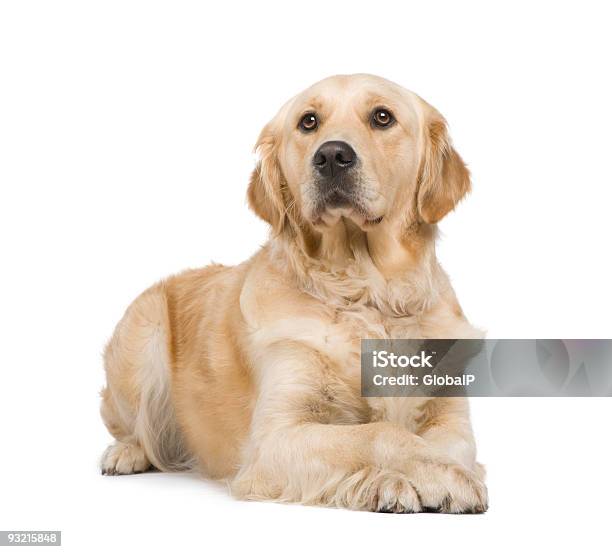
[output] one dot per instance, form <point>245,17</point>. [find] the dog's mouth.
<point>343,198</point>
<point>337,198</point>
<point>341,206</point>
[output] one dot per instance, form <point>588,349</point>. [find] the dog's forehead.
<point>354,89</point>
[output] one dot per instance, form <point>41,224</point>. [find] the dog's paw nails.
<point>123,459</point>
<point>450,489</point>
<point>395,494</point>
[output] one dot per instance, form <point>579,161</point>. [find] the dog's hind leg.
<point>136,404</point>
<point>125,455</point>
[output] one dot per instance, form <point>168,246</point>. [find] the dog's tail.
<point>156,427</point>
<point>138,365</point>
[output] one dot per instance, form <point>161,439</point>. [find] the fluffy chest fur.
<point>330,311</point>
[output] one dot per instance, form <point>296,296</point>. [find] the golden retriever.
<point>252,373</point>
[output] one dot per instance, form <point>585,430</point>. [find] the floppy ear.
<point>444,179</point>
<point>265,193</point>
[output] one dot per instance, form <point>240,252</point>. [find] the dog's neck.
<point>392,267</point>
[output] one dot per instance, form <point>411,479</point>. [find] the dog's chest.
<point>365,322</point>
<point>347,331</point>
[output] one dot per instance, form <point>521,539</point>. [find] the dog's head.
<point>358,147</point>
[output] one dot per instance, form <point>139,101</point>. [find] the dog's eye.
<point>382,118</point>
<point>308,122</point>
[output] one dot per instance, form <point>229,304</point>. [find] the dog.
<point>251,373</point>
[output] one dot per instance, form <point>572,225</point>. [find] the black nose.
<point>334,157</point>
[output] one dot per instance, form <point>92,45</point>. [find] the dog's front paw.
<point>448,487</point>
<point>396,494</point>
<point>378,490</point>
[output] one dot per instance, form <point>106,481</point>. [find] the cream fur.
<point>251,373</point>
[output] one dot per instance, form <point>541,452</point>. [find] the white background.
<point>126,132</point>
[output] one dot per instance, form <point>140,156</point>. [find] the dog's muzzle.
<point>334,163</point>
